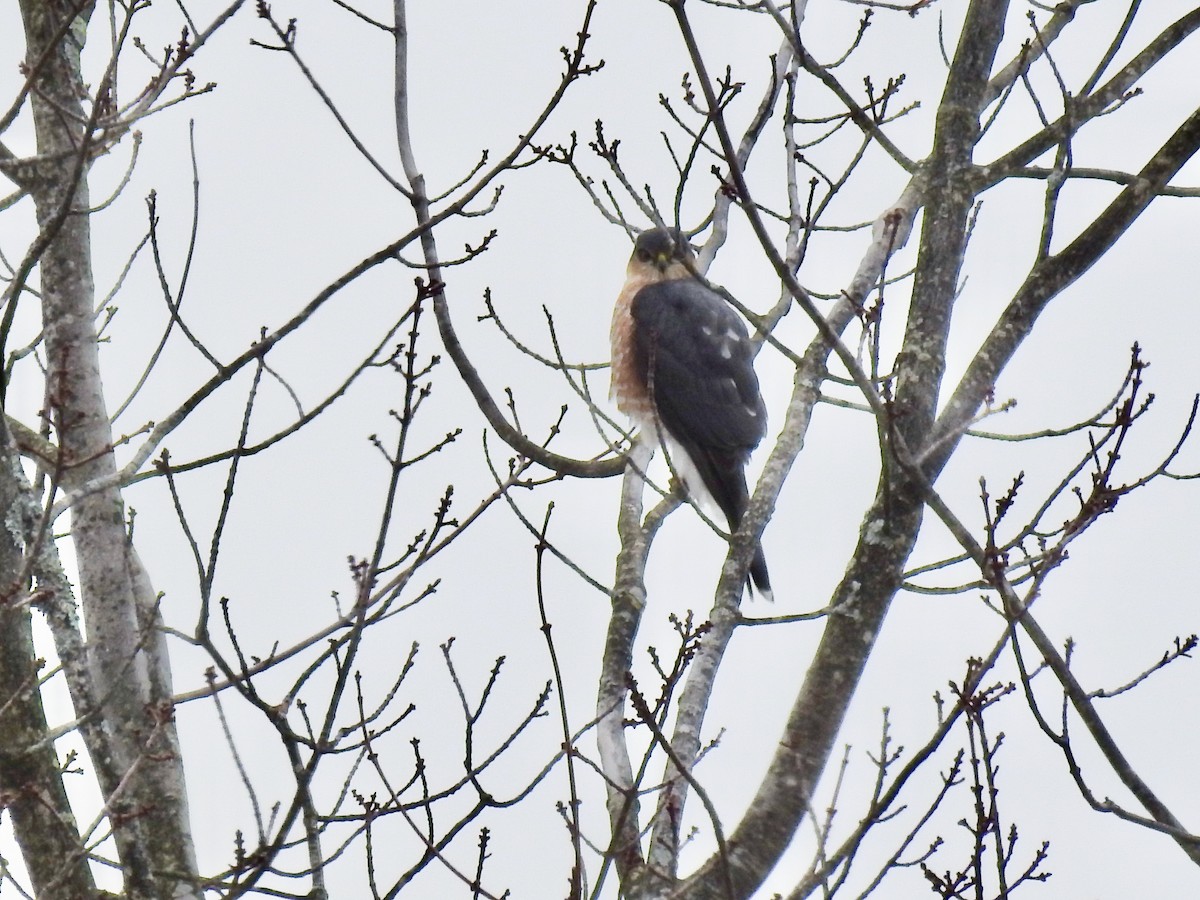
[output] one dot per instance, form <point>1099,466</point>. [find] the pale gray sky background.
<point>287,205</point>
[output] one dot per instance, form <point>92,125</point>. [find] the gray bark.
<point>136,752</point>
<point>31,780</point>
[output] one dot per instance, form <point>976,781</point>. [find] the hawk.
<point>682,370</point>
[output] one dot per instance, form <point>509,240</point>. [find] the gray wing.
<point>697,360</point>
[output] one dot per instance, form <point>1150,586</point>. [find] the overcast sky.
<point>287,205</point>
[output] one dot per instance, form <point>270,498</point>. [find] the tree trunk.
<point>136,752</point>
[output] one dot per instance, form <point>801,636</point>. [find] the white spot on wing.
<point>726,353</point>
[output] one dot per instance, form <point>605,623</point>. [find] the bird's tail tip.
<point>760,580</point>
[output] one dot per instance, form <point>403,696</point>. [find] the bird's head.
<point>661,253</point>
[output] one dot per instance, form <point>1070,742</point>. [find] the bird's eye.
<point>643,256</point>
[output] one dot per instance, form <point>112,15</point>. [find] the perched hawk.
<point>682,370</point>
